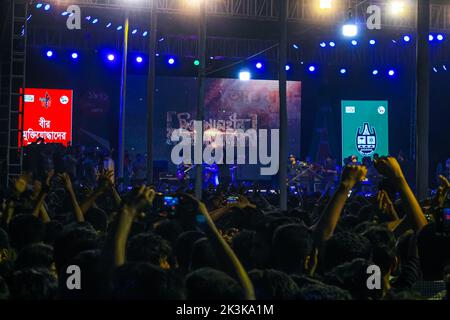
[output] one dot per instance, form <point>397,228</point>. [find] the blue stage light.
<point>407,38</point>
<point>259,65</point>
<point>245,76</point>
<point>288,67</point>
<point>49,53</point>
<point>391,73</point>
<point>435,69</point>
<point>444,67</point>
<point>354,42</point>
<point>94,21</point>
<point>109,24</point>
<point>295,46</point>
<point>312,68</point>
<point>88,18</point>
<point>64,13</point>
<point>440,37</point>
<point>38,5</point>
<point>372,42</point>
<point>343,71</point>
<point>430,37</point>
<point>145,33</point>
<point>171,61</point>
<point>47,7</point>
<point>139,59</point>
<point>111,57</point>
<point>134,31</point>
<point>323,44</point>
<point>375,72</point>
<point>74,55</point>
<point>119,28</point>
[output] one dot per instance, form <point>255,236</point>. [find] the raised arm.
<point>45,189</point>
<point>65,178</point>
<point>104,183</point>
<point>332,212</point>
<point>389,167</point>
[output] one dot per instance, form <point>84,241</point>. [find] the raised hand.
<point>389,167</point>
<point>386,206</point>
<point>441,193</point>
<point>65,180</point>
<point>353,174</point>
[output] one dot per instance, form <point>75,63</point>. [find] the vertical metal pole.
<point>201,90</point>
<point>123,93</point>
<point>282,58</point>
<point>422,99</point>
<point>151,91</point>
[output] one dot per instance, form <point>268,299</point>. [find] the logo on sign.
<point>29,98</point>
<point>381,110</point>
<point>366,140</point>
<point>350,109</point>
<point>46,101</point>
<point>64,100</point>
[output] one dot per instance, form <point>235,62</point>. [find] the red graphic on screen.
<point>47,115</point>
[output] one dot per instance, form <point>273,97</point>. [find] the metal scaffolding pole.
<point>201,92</point>
<point>123,93</point>
<point>151,91</point>
<point>282,58</point>
<point>422,99</point>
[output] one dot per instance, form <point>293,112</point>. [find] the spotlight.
<point>47,7</point>
<point>139,59</point>
<point>332,44</point>
<point>435,69</point>
<point>64,13</point>
<point>196,62</point>
<point>372,42</point>
<point>295,46</point>
<point>49,53</point>
<point>171,61</point>
<point>109,24</point>
<point>119,28</point>
<point>88,18</point>
<point>430,37</point>
<point>145,33</point>
<point>391,73</point>
<point>440,37</point>
<point>111,57</point>
<point>444,67</point>
<point>38,5</point>
<point>288,67</point>
<point>134,31</point>
<point>407,38</point>
<point>244,75</point>
<point>74,55</point>
<point>343,71</point>
<point>397,7</point>
<point>312,68</point>
<point>350,30</point>
<point>325,4</point>
<point>354,42</point>
<point>375,72</point>
<point>94,21</point>
<point>258,65</point>
<point>323,44</point>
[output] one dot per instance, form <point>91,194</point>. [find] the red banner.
<point>47,115</point>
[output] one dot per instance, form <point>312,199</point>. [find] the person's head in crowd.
<point>149,247</point>
<point>73,240</point>
<point>322,292</point>
<point>94,281</point>
<point>203,255</point>
<point>212,284</point>
<point>344,247</point>
<point>383,246</point>
<point>25,229</point>
<point>183,248</point>
<point>98,219</point>
<point>145,281</point>
<point>242,245</point>
<point>292,249</point>
<point>52,230</point>
<point>33,284</point>
<point>36,255</point>
<point>352,276</point>
<point>433,251</point>
<point>169,230</point>
<point>272,284</point>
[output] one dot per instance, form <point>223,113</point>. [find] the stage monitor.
<point>365,129</point>
<point>47,115</point>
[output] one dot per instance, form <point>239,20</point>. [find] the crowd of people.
<point>233,244</point>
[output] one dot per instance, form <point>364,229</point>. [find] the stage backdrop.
<point>230,103</point>
<point>365,128</point>
<point>48,115</point>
